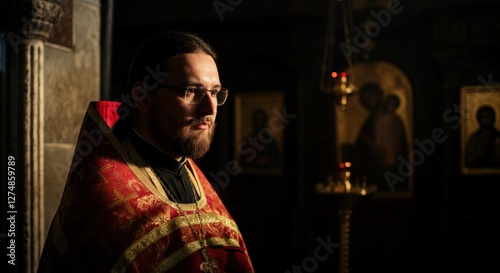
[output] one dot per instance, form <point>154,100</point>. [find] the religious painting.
<point>374,130</point>
<point>480,130</point>
<point>259,132</point>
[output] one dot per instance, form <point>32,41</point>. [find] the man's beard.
<point>185,142</point>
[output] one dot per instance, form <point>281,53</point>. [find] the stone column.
<point>30,23</point>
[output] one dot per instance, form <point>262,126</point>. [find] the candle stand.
<point>346,196</point>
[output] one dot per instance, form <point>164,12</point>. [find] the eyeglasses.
<point>195,94</point>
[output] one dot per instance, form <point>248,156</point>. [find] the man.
<point>135,201</point>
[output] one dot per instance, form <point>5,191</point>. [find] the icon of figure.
<point>381,139</point>
<point>390,134</point>
<point>483,147</point>
<point>259,148</point>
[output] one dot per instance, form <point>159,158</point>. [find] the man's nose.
<point>208,104</point>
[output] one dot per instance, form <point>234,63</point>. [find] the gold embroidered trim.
<point>130,156</point>
<point>154,182</point>
<point>121,150</point>
<point>166,229</point>
<point>189,249</point>
<point>177,256</point>
<point>215,241</point>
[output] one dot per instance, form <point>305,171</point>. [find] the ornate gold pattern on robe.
<point>114,216</point>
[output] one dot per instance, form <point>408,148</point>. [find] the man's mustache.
<point>206,119</point>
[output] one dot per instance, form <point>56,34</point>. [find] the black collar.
<point>153,155</point>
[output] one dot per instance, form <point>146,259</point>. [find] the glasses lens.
<point>195,95</point>
<point>191,94</point>
<point>222,96</point>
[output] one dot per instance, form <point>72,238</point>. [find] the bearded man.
<point>135,201</point>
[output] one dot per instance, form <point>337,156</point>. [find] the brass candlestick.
<point>347,196</point>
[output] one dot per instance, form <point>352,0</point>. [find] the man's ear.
<point>140,97</point>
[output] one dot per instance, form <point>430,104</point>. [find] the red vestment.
<point>114,216</point>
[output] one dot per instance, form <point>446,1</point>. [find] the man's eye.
<point>192,90</point>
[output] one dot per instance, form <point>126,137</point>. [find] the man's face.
<point>178,128</point>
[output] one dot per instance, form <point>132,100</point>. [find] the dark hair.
<point>155,51</point>
<point>150,60</point>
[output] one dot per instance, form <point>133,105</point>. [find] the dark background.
<point>448,222</point>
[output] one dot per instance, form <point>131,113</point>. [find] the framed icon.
<point>480,130</point>
<point>259,131</point>
<point>374,131</point>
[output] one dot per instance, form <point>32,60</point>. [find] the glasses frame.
<point>195,89</point>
